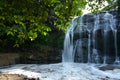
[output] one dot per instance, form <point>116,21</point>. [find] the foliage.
<point>96,6</point>
<point>23,22</point>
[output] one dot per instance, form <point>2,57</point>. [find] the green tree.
<point>26,20</point>
<point>96,6</point>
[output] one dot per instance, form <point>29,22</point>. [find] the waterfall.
<point>105,47</point>
<point>115,42</point>
<point>68,55</point>
<point>80,51</point>
<point>95,55</point>
<point>114,29</point>
<point>89,43</point>
<point>89,29</point>
<point>107,23</point>
<point>88,39</point>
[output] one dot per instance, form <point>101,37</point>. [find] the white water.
<point>63,71</point>
<point>89,28</point>
<point>68,55</point>
<point>111,23</point>
<point>89,51</point>
<point>114,29</point>
<point>117,61</point>
<point>108,23</point>
<point>95,55</point>
<point>79,44</point>
<point>105,47</point>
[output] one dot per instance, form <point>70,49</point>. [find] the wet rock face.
<point>100,29</point>
<point>88,18</point>
<point>109,67</point>
<point>45,56</point>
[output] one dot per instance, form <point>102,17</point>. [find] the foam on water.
<point>63,71</point>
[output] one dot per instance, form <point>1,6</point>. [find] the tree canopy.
<point>30,20</point>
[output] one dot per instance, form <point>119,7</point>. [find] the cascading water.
<point>95,55</point>
<point>68,55</point>
<point>105,47</point>
<point>78,45</point>
<point>88,38</point>
<point>114,29</point>
<point>89,28</point>
<point>107,22</point>
<point>115,42</point>
<point>89,43</point>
